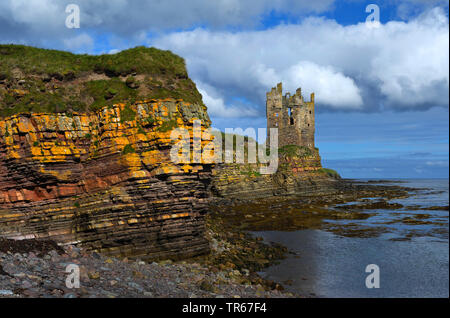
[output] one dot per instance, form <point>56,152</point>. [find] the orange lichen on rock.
<point>105,179</point>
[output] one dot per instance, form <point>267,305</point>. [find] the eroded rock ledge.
<point>299,174</point>
<point>104,180</point>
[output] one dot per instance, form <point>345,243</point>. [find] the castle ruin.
<point>292,115</point>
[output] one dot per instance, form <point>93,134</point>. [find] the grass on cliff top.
<point>295,151</point>
<point>41,80</point>
<point>141,60</point>
<point>127,114</point>
<point>245,140</point>
<point>329,172</point>
<point>288,151</point>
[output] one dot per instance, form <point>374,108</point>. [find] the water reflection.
<point>334,266</point>
<point>412,256</point>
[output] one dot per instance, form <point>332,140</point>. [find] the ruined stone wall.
<point>105,180</point>
<point>295,176</point>
<point>306,123</point>
<point>293,117</point>
<point>274,108</point>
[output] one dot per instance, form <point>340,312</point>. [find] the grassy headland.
<point>41,80</point>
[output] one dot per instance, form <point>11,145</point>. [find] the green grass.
<point>100,90</point>
<point>128,149</point>
<point>127,114</point>
<point>329,172</point>
<point>150,120</point>
<point>246,150</point>
<point>66,65</point>
<point>295,151</point>
<point>251,173</point>
<point>140,130</point>
<point>167,125</point>
<point>79,83</point>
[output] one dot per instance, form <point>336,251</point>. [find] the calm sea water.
<point>413,258</point>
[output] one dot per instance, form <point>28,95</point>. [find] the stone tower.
<point>292,115</point>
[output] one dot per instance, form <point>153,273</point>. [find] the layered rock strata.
<point>105,180</point>
<point>296,175</point>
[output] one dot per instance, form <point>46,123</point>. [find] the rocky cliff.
<point>85,154</point>
<point>78,172</point>
<point>299,173</point>
<point>50,81</point>
<point>103,181</point>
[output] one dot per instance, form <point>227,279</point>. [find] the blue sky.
<point>381,93</point>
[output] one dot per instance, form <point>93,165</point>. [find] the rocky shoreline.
<point>32,268</point>
<point>36,268</point>
<point>40,272</point>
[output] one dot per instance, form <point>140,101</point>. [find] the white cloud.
<point>400,65</point>
<point>216,104</point>
<point>125,23</point>
<point>81,41</point>
<point>331,87</point>
<point>413,69</point>
<point>127,17</point>
<point>438,163</point>
<point>408,8</point>
<point>40,13</point>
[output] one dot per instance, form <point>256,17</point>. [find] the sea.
<point>408,257</point>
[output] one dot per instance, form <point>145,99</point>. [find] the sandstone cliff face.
<point>105,180</point>
<point>79,166</point>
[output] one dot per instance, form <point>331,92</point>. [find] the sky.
<point>381,89</point>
